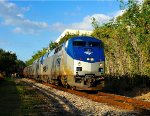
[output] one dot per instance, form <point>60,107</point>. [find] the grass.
<point>9,98</point>
<point>19,99</point>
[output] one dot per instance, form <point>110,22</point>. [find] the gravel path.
<point>145,97</point>
<point>63,103</point>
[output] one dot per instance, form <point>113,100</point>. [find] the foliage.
<point>19,67</point>
<point>36,56</point>
<point>9,63</point>
<point>121,84</point>
<point>53,45</point>
<point>127,40</point>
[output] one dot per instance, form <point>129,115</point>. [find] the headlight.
<point>101,64</point>
<point>92,59</point>
<point>88,58</point>
<point>79,63</point>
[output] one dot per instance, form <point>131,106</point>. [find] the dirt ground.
<point>19,98</point>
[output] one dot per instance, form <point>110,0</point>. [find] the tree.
<point>9,63</point>
<point>127,40</point>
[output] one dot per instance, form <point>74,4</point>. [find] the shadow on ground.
<point>9,98</point>
<point>60,105</point>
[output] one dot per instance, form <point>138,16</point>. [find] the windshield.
<point>87,44</point>
<point>94,44</point>
<point>79,43</point>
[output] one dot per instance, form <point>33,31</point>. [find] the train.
<point>78,63</point>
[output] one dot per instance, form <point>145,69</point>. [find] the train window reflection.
<point>79,43</point>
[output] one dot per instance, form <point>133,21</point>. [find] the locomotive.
<point>77,63</point>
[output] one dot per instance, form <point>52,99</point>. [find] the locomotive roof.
<point>86,38</point>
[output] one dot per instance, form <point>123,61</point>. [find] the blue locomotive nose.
<point>85,49</point>
<point>87,54</point>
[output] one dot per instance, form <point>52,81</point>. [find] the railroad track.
<point>136,104</point>
<point>111,99</point>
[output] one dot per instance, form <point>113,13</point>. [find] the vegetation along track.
<point>110,99</point>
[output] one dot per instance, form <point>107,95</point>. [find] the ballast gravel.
<point>67,104</point>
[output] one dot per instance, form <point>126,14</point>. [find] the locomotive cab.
<point>88,61</point>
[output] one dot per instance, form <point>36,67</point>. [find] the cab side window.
<point>58,49</point>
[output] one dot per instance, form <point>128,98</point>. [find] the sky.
<point>27,26</point>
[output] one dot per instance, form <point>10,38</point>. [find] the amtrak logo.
<point>88,52</point>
